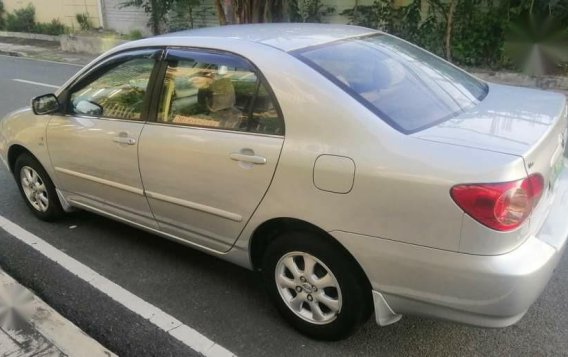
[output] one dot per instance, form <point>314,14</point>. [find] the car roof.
<point>283,36</point>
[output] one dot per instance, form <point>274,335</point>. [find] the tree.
<point>2,12</point>
<point>447,10</point>
<point>157,9</point>
<point>220,13</point>
<point>181,15</point>
<point>252,11</point>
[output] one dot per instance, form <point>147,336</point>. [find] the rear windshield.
<point>406,86</point>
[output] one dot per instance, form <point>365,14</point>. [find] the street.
<point>219,300</point>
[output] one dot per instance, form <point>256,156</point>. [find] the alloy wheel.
<point>308,288</point>
<point>34,189</point>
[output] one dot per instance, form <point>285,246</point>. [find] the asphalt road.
<point>220,300</point>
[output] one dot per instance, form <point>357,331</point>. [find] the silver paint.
<point>421,253</point>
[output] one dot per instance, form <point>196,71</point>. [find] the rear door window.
<point>219,91</point>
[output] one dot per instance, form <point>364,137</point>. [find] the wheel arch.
<point>14,152</point>
<point>268,231</point>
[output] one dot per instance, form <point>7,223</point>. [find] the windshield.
<point>406,86</point>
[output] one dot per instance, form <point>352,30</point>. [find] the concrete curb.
<point>13,53</point>
<point>75,59</point>
<point>93,45</point>
<point>29,36</point>
<point>75,43</point>
<point>559,83</point>
<point>28,322</point>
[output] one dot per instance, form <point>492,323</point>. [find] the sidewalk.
<point>40,49</point>
<point>29,327</point>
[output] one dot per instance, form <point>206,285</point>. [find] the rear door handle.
<point>253,159</point>
<point>123,138</point>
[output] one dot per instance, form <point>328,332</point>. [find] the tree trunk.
<point>256,11</point>
<point>235,10</point>
<point>267,11</point>
<point>449,25</point>
<point>155,17</point>
<point>355,14</point>
<point>245,13</point>
<point>191,20</point>
<point>220,13</point>
<point>285,11</point>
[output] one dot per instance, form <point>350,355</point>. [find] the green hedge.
<point>2,14</point>
<point>23,20</point>
<point>484,33</point>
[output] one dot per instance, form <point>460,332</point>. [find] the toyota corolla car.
<point>357,172</point>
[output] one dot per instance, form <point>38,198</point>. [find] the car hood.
<point>509,120</point>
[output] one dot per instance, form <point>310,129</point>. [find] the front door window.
<point>118,93</point>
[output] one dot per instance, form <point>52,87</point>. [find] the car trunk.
<point>516,121</point>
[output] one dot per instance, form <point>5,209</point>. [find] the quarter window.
<point>118,93</point>
<point>217,91</point>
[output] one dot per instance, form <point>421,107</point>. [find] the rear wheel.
<point>36,188</point>
<point>316,286</point>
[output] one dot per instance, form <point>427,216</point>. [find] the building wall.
<point>64,10</point>
<point>124,19</point>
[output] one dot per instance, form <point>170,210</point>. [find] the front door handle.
<point>123,138</point>
<point>128,141</point>
<point>253,159</point>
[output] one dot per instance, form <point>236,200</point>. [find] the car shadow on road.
<point>227,303</point>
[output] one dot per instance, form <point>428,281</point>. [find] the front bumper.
<point>3,154</point>
<point>3,148</point>
<point>490,291</point>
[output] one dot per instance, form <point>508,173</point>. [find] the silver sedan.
<point>355,171</point>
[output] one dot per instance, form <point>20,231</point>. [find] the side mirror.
<point>45,104</point>
<point>89,108</point>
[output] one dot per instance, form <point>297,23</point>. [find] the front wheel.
<point>36,188</point>
<point>316,286</point>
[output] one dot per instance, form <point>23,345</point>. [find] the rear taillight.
<point>500,206</point>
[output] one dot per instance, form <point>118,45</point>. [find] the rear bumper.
<point>491,291</point>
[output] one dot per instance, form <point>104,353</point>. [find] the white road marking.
<point>43,60</point>
<point>185,334</point>
<point>36,83</point>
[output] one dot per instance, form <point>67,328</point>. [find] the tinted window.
<point>117,93</point>
<point>217,91</point>
<point>408,87</point>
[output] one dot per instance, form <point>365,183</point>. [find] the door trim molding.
<point>150,229</point>
<point>196,206</point>
<point>120,186</point>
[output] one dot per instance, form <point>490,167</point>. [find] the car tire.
<point>327,304</point>
<point>36,188</point>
